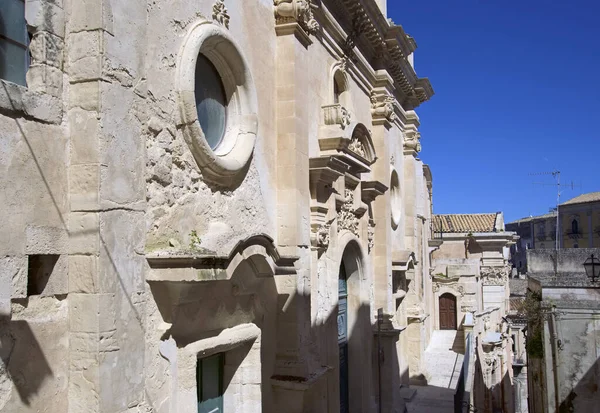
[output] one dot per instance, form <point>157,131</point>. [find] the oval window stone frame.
<point>396,199</point>
<point>230,157</point>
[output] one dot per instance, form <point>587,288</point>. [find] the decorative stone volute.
<point>296,11</point>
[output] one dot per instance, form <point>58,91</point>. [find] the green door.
<point>209,376</point>
<point>342,324</point>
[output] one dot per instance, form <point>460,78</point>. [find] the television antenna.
<point>556,175</point>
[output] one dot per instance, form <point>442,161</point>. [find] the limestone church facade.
<point>212,205</point>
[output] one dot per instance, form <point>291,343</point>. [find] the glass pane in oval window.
<point>210,101</point>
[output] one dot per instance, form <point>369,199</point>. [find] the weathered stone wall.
<point>34,160</point>
<point>99,174</point>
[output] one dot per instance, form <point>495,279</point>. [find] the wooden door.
<point>447,312</point>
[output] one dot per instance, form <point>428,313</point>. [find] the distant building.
<point>579,220</point>
<point>470,294</point>
<point>563,336</point>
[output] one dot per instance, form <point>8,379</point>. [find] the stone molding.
<point>221,165</point>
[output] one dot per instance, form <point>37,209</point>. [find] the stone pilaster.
<point>106,212</point>
<point>294,363</point>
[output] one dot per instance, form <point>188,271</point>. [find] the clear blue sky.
<point>517,91</point>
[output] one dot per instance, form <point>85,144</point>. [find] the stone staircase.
<point>443,359</point>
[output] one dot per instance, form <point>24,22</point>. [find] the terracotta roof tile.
<point>464,222</point>
<point>589,197</point>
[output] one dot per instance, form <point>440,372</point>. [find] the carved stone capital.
<point>382,106</point>
<point>412,141</point>
<point>296,11</point>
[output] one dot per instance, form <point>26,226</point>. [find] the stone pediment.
<point>352,145</point>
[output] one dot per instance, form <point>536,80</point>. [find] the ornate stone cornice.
<point>382,41</point>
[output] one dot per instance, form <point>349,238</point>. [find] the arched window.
<point>340,89</point>
<point>575,227</point>
<point>336,91</point>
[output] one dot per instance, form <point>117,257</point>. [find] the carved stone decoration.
<point>219,13</point>
<point>296,11</point>
<point>322,236</point>
<point>412,141</point>
<point>436,287</point>
<point>347,219</point>
<point>357,147</point>
<point>336,114</point>
<point>371,234</point>
<point>382,106</point>
<point>495,275</point>
<point>461,290</point>
<point>393,160</point>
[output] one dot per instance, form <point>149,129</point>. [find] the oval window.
<point>211,102</point>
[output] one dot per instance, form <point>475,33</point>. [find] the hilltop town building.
<point>470,275</point>
<point>579,227</point>
<point>214,205</point>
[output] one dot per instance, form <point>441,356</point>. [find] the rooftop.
<point>465,222</point>
<point>583,198</point>
<point>534,218</point>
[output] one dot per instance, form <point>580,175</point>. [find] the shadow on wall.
<point>585,395</point>
<point>23,361</point>
<point>353,377</point>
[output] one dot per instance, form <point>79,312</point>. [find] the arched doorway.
<point>447,312</point>
<point>354,336</point>
<point>342,324</point>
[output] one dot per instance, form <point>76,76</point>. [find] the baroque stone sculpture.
<point>300,11</point>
